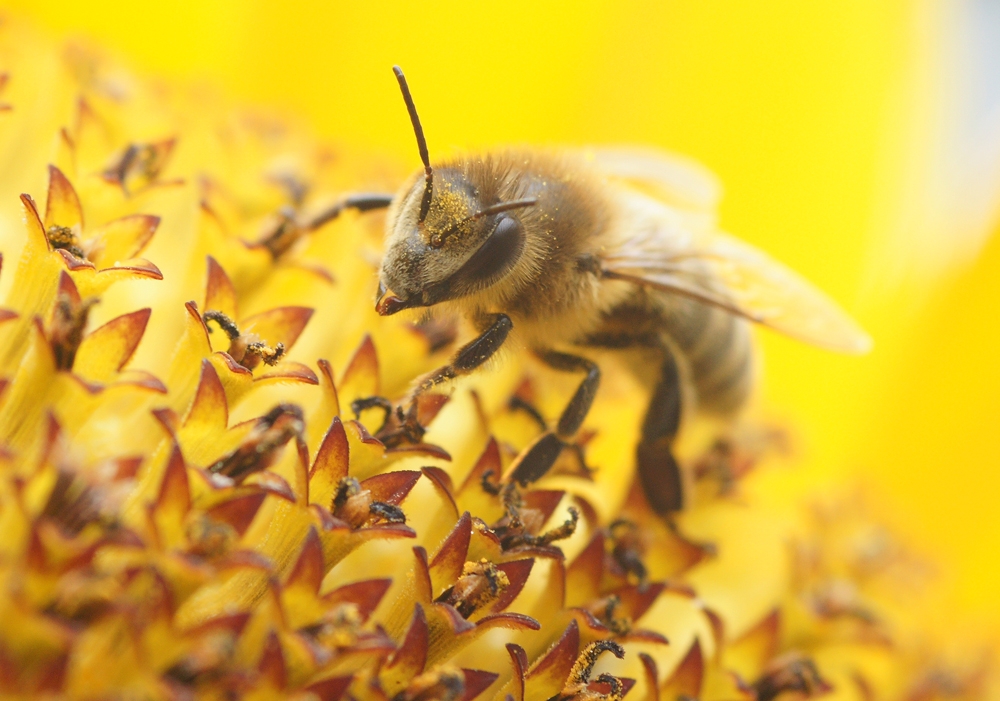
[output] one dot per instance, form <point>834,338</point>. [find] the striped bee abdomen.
<point>716,351</point>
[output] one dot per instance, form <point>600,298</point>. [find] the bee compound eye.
<point>496,256</point>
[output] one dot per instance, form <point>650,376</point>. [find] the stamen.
<point>488,485</point>
<point>72,503</point>
<point>355,506</point>
<point>69,319</point>
<point>605,609</point>
<point>386,512</point>
<point>360,405</point>
<point>267,355</point>
<point>561,532</point>
<point>284,234</point>
<point>260,448</point>
<point>62,237</point>
<point>627,549</point>
<point>790,673</point>
<point>440,684</point>
<point>139,165</point>
<point>224,322</point>
<point>210,538</point>
<point>351,503</point>
<point>246,349</point>
<point>576,685</point>
<point>339,628</point>
<point>480,584</point>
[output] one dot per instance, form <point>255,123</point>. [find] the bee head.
<point>443,242</point>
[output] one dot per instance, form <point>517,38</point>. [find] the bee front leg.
<point>545,451</point>
<point>468,358</point>
<point>290,229</point>
<point>362,203</point>
<point>659,472</point>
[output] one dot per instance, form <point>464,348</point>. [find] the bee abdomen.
<point>718,355</point>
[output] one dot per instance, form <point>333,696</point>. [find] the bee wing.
<point>673,179</point>
<point>723,271</point>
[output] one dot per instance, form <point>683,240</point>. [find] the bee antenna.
<point>425,203</point>
<point>505,207</point>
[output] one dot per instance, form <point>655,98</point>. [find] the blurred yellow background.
<point>812,113</point>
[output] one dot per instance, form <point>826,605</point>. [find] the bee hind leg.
<point>543,453</point>
<point>659,472</point>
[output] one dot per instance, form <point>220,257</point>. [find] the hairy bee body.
<point>613,249</point>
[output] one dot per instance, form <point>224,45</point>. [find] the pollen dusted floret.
<point>481,583</point>
<point>577,686</point>
<point>258,450</point>
<point>440,684</point>
<point>626,549</point>
<point>791,674</point>
<point>606,611</point>
<point>520,526</point>
<point>357,507</point>
<point>210,538</point>
<point>183,521</point>
<point>139,165</point>
<point>69,319</point>
<point>64,238</point>
<point>246,349</point>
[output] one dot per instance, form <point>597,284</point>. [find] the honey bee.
<point>606,249</point>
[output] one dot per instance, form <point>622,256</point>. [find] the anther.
<point>139,163</point>
<point>338,628</point>
<point>605,611</point>
<point>210,538</point>
<point>578,681</point>
<point>627,549</point>
<point>225,323</point>
<point>260,447</point>
<point>441,684</point>
<point>360,405</point>
<point>73,503</point>
<point>62,237</point>
<point>354,505</point>
<point>488,485</point>
<point>247,349</point>
<point>561,532</point>
<point>479,585</point>
<point>285,232</point>
<point>69,319</point>
<point>386,512</point>
<point>351,504</point>
<point>790,673</point>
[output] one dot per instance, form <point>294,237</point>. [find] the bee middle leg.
<point>545,451</point>
<point>659,472</point>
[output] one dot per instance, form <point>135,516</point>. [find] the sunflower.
<point>195,502</point>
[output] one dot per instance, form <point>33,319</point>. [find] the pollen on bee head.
<point>448,211</point>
